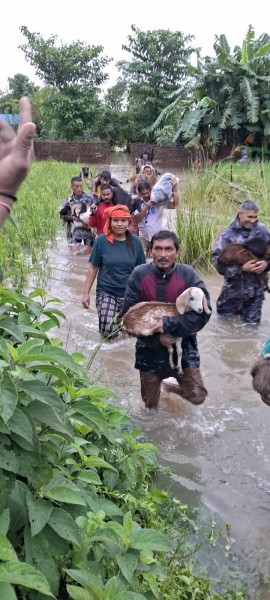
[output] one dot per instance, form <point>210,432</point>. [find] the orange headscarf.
<point>119,211</point>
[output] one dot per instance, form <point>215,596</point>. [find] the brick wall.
<point>170,156</point>
<point>83,152</point>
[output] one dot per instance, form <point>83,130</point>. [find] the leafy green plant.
<point>78,515</point>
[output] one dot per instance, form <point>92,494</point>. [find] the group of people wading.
<point>133,259</point>
<point>124,278</point>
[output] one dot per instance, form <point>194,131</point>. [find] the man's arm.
<point>190,323</point>
<point>132,295</point>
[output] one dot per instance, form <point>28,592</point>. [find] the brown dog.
<point>236,254</point>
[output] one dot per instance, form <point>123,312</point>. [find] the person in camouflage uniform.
<point>243,290</point>
<point>83,233</point>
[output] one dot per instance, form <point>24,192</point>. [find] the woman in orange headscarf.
<point>115,254</point>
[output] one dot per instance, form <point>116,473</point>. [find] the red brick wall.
<point>83,152</point>
<point>170,155</point>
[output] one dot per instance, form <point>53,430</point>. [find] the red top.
<point>98,220</point>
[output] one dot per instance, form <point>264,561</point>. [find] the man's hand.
<point>16,151</point>
<point>250,266</point>
<point>255,266</point>
<point>260,267</point>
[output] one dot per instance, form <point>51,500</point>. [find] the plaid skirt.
<point>109,309</point>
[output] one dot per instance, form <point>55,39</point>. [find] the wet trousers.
<point>250,309</point>
<point>189,385</point>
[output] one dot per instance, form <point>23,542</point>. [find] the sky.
<point>108,24</point>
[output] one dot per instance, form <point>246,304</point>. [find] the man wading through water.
<point>164,280</point>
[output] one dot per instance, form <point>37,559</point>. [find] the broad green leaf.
<point>4,350</point>
<point>13,352</point>
<point>7,551</point>
<point>39,513</point>
<point>128,524</point>
<point>51,312</point>
<point>53,354</point>
<point>97,392</point>
<point>56,372</point>
<point>88,580</point>
<point>8,326</point>
<point>78,593</point>
<point>46,415</point>
<point>38,292</point>
<point>47,325</point>
<point>152,582</point>
<point>19,424</point>
<point>7,592</point>
<point>150,539</point>
<point>100,463</point>
<point>4,521</point>
<point>110,588</point>
<point>127,563</point>
<point>64,525</point>
<point>3,427</point>
<point>24,575</point>
<point>91,413</point>
<point>126,595</point>
<point>8,397</point>
<point>8,460</point>
<point>65,494</point>
<point>89,477</point>
<point>44,393</point>
<point>28,346</point>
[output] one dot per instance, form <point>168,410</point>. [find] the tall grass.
<point>209,202</point>
<point>36,214</point>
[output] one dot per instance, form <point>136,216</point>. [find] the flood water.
<point>218,452</point>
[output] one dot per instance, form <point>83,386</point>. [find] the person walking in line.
<point>149,214</point>
<point>243,289</point>
<point>82,233</point>
<point>115,254</point>
<point>98,218</point>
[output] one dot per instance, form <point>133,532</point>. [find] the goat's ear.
<point>181,303</point>
<point>206,307</point>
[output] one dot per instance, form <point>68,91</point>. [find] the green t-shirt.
<point>116,263</point>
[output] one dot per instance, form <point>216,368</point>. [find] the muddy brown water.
<point>218,452</point>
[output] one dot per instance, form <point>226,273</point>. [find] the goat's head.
<point>192,299</point>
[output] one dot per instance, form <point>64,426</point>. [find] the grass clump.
<point>209,202</point>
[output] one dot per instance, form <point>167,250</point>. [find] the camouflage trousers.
<point>249,308</point>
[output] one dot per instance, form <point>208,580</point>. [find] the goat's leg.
<point>178,344</point>
<point>171,363</point>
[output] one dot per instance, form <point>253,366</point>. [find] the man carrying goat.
<point>164,280</point>
<point>244,280</point>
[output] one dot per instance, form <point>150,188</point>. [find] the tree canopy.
<point>160,62</point>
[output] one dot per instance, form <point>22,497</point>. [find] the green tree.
<point>20,85</point>
<point>230,97</point>
<point>67,64</point>
<point>114,123</point>
<point>74,71</point>
<point>160,63</point>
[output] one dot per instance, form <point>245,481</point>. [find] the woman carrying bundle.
<point>115,254</point>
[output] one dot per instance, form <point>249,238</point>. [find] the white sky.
<point>108,24</point>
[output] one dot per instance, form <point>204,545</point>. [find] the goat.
<point>141,319</point>
<point>80,210</point>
